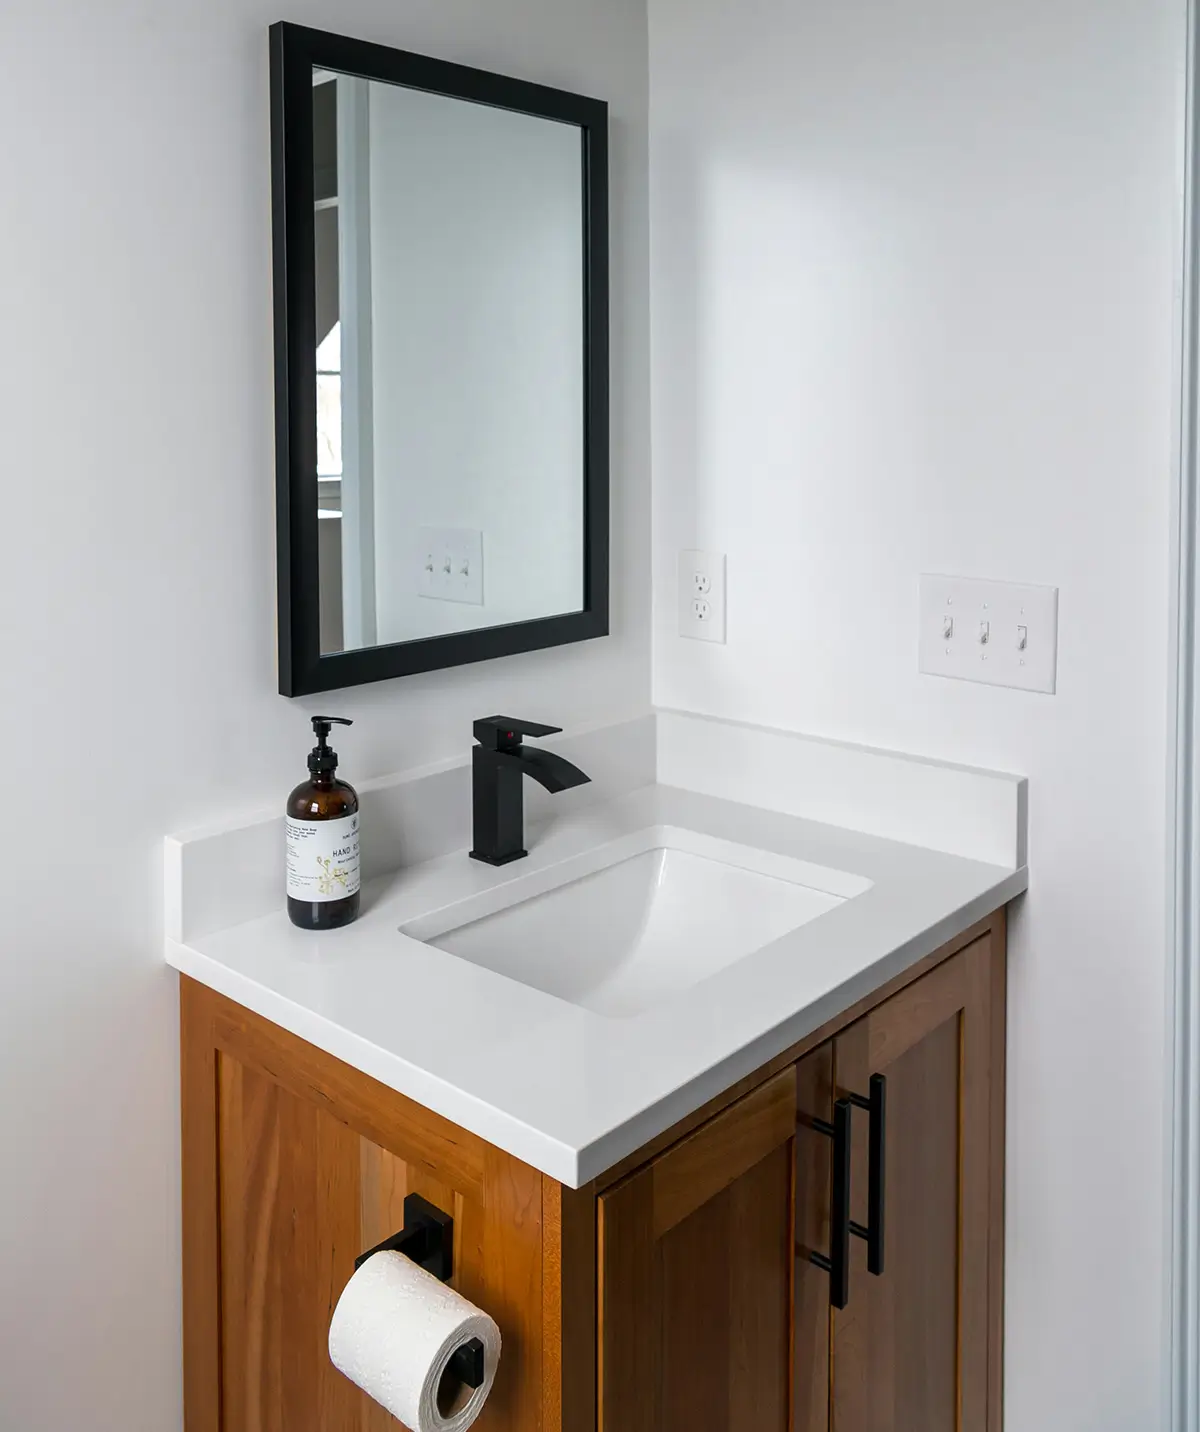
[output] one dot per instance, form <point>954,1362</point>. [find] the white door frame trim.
<point>1183,1251</point>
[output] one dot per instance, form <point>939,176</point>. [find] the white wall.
<point>912,268</point>
<point>477,327</point>
<point>137,669</point>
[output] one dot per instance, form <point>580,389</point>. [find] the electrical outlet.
<point>996,632</point>
<point>702,595</point>
<point>450,564</point>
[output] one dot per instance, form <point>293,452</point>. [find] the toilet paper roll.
<point>394,1331</point>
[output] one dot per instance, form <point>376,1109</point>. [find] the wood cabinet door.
<point>695,1259</point>
<point>293,1165</point>
<point>918,1345</point>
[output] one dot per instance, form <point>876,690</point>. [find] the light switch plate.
<point>995,632</point>
<point>450,564</point>
<point>702,595</point>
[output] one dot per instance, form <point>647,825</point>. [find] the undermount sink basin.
<point>626,925</point>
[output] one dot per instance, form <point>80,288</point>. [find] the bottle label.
<point>322,858</point>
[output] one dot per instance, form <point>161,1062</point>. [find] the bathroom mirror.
<point>441,357</point>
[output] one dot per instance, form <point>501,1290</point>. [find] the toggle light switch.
<point>1000,633</point>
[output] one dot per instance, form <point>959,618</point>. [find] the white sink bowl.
<point>633,922</point>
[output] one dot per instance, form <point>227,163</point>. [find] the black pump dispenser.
<point>322,757</point>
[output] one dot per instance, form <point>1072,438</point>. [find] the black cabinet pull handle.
<point>837,1264</point>
<point>841,1225</point>
<point>876,1107</point>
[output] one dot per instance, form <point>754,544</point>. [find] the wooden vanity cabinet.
<point>677,1293</point>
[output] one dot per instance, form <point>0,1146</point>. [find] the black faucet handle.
<point>503,733</point>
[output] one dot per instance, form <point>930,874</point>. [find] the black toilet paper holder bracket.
<point>428,1239</point>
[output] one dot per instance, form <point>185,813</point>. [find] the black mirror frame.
<point>295,50</point>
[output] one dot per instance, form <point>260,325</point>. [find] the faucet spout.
<point>552,771</point>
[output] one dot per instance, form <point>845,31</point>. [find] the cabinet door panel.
<point>299,1194</point>
<point>896,1341</point>
<point>289,1235</point>
<point>910,1350</point>
<point>695,1257</point>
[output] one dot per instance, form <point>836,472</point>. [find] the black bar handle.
<point>876,1106</point>
<point>837,1264</point>
<point>876,1185</point>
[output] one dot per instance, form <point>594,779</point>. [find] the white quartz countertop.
<point>566,1090</point>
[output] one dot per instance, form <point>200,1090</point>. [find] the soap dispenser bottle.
<point>322,841</point>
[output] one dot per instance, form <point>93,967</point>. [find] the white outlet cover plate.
<point>1005,607</point>
<point>702,595</point>
<point>450,564</point>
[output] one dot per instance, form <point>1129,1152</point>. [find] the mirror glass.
<point>449,246</point>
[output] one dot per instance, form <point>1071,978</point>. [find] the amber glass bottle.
<point>322,841</point>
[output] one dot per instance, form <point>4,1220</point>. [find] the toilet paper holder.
<point>428,1239</point>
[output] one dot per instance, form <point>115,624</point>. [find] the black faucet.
<point>499,765</point>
